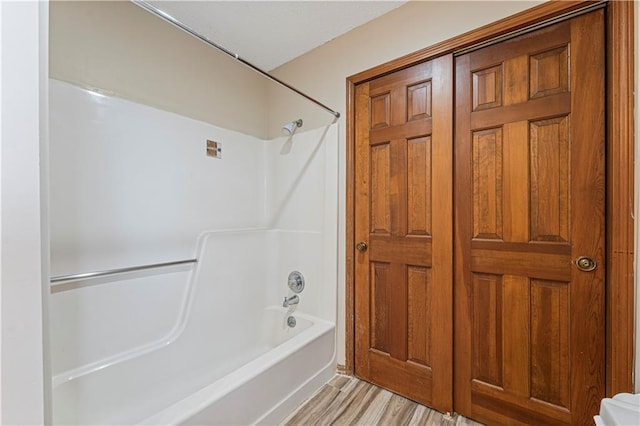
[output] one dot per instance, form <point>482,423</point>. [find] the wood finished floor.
<point>350,401</point>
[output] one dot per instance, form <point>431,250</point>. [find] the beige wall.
<point>122,49</point>
<point>322,73</point>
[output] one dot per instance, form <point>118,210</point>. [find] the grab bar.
<point>96,274</point>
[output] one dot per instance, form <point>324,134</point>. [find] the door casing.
<point>620,171</point>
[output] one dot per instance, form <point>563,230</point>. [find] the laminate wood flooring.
<point>350,401</point>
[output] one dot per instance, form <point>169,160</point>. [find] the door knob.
<point>361,246</point>
<point>586,264</point>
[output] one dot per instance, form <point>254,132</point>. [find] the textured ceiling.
<point>271,33</point>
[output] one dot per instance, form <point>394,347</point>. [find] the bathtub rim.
<point>199,400</point>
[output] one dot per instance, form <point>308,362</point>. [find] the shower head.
<point>290,128</point>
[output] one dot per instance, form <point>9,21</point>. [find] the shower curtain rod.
<point>165,16</point>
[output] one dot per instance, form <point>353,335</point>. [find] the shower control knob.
<point>361,246</point>
<point>296,282</point>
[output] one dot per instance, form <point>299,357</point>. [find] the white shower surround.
<point>106,152</point>
<point>222,350</point>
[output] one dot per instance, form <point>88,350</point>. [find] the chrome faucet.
<point>293,300</point>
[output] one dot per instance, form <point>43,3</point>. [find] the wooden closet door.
<point>530,193</point>
<point>403,231</point>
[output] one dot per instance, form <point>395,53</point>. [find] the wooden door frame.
<point>620,171</point>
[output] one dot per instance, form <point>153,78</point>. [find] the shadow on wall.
<point>301,172</point>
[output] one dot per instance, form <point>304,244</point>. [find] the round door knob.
<point>586,264</point>
<point>361,246</point>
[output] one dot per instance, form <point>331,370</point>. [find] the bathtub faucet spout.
<point>288,301</point>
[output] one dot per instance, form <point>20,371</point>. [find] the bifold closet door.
<point>529,207</point>
<point>403,230</point>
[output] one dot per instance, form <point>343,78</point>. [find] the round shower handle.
<point>296,282</point>
<point>362,246</point>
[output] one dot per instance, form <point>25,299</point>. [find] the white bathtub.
<point>229,361</point>
<point>266,389</point>
<point>169,386</point>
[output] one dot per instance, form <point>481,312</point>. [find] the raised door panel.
<point>487,329</point>
<point>419,186</point>
<point>380,186</point>
<point>550,346</point>
<point>380,306</point>
<point>487,184</point>
<point>549,170</point>
<point>418,319</point>
<point>549,72</point>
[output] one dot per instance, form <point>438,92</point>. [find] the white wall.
<point>22,389</point>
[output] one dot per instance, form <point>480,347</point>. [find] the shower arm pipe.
<point>96,274</point>
<point>165,16</point>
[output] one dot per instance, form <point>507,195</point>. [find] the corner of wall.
<point>125,50</point>
<point>21,271</point>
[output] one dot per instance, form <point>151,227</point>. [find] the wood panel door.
<point>530,192</point>
<point>403,230</point>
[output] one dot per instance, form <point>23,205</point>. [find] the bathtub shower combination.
<point>237,359</point>
<point>240,337</point>
<point>242,334</point>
